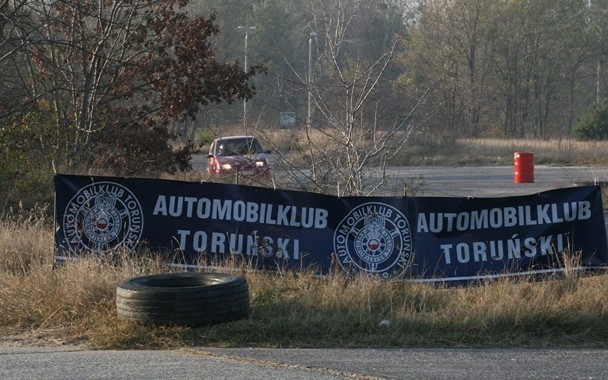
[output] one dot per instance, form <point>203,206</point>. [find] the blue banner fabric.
<point>414,238</point>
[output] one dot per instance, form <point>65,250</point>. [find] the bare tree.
<point>16,33</point>
<point>347,137</point>
<point>116,73</point>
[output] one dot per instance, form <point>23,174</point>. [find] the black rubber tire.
<point>188,298</point>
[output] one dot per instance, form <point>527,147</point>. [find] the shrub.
<point>594,126</point>
<point>27,148</point>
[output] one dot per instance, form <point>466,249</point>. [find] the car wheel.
<point>189,298</point>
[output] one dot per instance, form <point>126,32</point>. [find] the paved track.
<point>302,364</point>
<point>492,181</point>
<point>451,181</point>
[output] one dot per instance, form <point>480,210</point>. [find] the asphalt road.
<point>476,181</point>
<point>451,181</point>
<point>70,362</point>
<point>303,364</point>
<point>492,181</point>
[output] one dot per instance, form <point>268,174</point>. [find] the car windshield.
<point>238,147</point>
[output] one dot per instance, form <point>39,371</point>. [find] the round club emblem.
<point>374,238</point>
<point>102,217</point>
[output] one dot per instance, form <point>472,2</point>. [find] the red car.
<point>237,154</point>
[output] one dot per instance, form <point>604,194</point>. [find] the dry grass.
<point>547,152</point>
<point>297,146</point>
<point>426,150</point>
<point>75,304</point>
<point>25,243</point>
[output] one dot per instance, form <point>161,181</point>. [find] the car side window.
<point>229,148</point>
<point>256,147</point>
<point>244,147</point>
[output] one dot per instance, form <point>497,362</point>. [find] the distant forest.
<point>462,68</point>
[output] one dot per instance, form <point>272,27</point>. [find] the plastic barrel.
<point>523,167</point>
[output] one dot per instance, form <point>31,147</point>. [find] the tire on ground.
<point>189,298</point>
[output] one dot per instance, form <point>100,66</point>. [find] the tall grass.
<point>430,149</point>
<point>75,303</point>
<point>547,152</point>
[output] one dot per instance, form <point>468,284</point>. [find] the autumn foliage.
<point>115,74</point>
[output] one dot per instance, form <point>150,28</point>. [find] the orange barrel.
<point>523,167</point>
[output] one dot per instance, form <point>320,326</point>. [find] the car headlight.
<point>226,167</point>
<point>260,164</point>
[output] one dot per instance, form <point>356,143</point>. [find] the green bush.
<point>594,126</point>
<point>27,148</point>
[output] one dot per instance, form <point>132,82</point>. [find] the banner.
<point>417,238</point>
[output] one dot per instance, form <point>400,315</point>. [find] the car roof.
<point>235,137</point>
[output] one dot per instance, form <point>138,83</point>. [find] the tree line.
<point>368,74</point>
<point>505,68</point>
<point>114,83</point>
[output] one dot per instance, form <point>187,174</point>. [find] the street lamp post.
<point>247,29</point>
<point>310,37</point>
